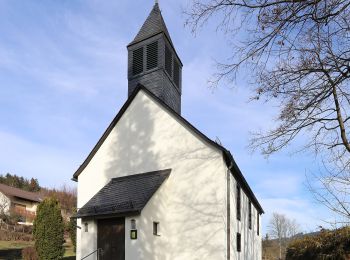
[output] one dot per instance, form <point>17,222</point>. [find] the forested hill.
<point>66,195</point>
<point>20,182</point>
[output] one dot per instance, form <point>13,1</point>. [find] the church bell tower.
<point>154,63</point>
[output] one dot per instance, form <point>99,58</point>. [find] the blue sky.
<point>63,78</point>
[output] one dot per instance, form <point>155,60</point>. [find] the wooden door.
<point>111,238</point>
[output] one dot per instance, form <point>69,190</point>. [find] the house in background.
<point>154,186</point>
<point>23,204</point>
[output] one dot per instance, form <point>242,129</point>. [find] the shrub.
<point>29,253</point>
<point>48,230</point>
<point>72,229</point>
<point>326,245</point>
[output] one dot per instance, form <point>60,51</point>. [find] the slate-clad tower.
<point>154,63</point>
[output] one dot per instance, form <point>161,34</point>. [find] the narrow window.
<point>137,61</point>
<point>86,226</point>
<point>152,55</point>
<point>250,215</point>
<point>156,228</point>
<point>258,223</point>
<point>168,61</point>
<point>238,242</point>
<point>238,198</point>
<point>176,73</point>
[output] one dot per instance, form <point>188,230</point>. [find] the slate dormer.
<point>154,63</point>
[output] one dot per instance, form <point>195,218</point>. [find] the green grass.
<point>15,244</point>
<point>6,245</point>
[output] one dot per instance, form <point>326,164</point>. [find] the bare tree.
<point>282,228</point>
<point>298,52</point>
<point>4,205</point>
<point>331,188</point>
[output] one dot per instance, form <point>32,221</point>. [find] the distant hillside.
<point>20,182</point>
<point>67,196</point>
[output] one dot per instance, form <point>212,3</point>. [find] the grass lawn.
<point>13,248</point>
<point>15,244</point>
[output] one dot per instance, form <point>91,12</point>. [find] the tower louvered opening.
<point>152,55</point>
<point>176,73</point>
<point>168,61</point>
<point>137,58</point>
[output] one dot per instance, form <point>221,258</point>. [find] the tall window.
<point>238,242</point>
<point>258,222</point>
<point>152,55</point>
<point>238,199</point>
<point>250,215</point>
<point>176,73</point>
<point>156,228</point>
<point>168,61</point>
<point>137,61</point>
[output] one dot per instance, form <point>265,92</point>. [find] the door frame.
<point>98,231</point>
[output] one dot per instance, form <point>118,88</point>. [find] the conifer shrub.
<point>48,230</point>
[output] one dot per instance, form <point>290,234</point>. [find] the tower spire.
<point>153,61</point>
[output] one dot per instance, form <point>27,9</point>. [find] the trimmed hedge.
<point>49,230</point>
<point>333,244</point>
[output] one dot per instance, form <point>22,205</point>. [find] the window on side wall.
<point>156,228</point>
<point>258,223</point>
<point>238,242</point>
<point>250,215</point>
<point>238,199</point>
<point>86,227</point>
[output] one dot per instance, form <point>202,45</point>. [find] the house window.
<point>168,61</point>
<point>238,242</point>
<point>137,61</point>
<point>156,228</point>
<point>250,215</point>
<point>86,227</point>
<point>258,223</point>
<point>152,55</point>
<point>238,198</point>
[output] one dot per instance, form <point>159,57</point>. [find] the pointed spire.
<point>153,25</point>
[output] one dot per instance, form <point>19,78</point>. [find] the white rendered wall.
<point>190,205</point>
<point>250,240</point>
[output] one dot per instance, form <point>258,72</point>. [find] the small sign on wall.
<point>133,234</point>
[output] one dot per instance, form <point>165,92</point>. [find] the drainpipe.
<point>228,207</point>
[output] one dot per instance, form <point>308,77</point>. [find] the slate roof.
<point>124,195</point>
<point>19,193</point>
<point>153,25</point>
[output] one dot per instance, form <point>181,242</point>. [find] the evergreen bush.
<point>48,230</point>
<point>72,229</point>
